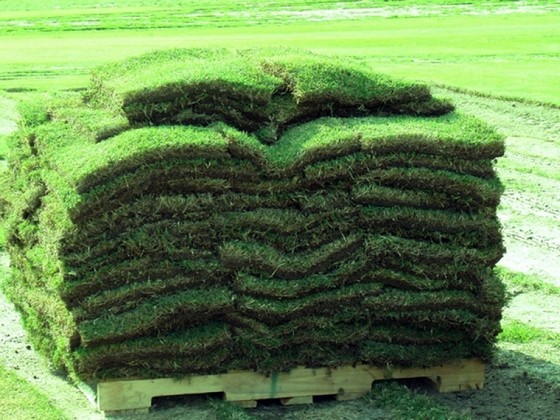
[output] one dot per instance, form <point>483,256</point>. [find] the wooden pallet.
<point>298,386</point>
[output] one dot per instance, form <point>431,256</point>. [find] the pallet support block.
<point>298,386</point>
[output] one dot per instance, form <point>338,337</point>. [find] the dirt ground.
<point>520,382</point>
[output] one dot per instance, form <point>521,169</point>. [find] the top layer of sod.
<point>253,90</point>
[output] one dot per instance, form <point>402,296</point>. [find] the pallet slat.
<point>298,386</point>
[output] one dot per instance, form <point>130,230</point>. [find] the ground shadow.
<point>517,386</point>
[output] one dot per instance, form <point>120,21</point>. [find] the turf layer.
<point>197,211</point>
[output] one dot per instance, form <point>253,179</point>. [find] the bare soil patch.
<point>530,171</point>
<point>513,391</point>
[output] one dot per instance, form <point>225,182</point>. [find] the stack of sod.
<point>200,211</point>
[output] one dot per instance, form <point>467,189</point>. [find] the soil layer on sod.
<point>197,211</point>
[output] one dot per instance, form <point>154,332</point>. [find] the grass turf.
<point>260,93</point>
<point>294,187</point>
<point>445,46</point>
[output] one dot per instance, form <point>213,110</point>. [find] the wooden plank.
<point>297,400</point>
<point>348,396</point>
<point>298,386</point>
<point>245,404</point>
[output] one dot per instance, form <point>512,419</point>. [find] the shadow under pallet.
<point>299,386</point>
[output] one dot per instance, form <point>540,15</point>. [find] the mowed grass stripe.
<point>451,50</point>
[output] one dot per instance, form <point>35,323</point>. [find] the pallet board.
<point>298,386</point>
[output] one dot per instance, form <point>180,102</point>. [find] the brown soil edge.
<point>517,385</point>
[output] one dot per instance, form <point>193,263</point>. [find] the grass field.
<point>491,47</point>
<point>501,48</point>
<point>20,400</point>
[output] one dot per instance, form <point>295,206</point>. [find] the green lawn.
<point>21,400</point>
<point>53,44</point>
<point>513,55</point>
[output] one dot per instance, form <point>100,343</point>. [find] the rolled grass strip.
<point>402,280</point>
<point>98,124</point>
<point>127,297</point>
<point>462,191</point>
<point>112,253</point>
<point>20,206</point>
<point>347,273</point>
<point>252,89</point>
<point>154,177</point>
<point>92,240</point>
<point>211,362</point>
<point>371,352</point>
<point>316,329</point>
<point>33,112</point>
<point>174,169</point>
<point>159,314</point>
<point>367,297</point>
<point>454,135</point>
<point>113,197</point>
<point>368,193</point>
<point>33,268</point>
<point>184,76</point>
<point>272,311</point>
<point>312,79</point>
<point>391,300</point>
<point>349,334</point>
<point>273,226</point>
<point>384,248</point>
<point>262,259</point>
<point>466,321</point>
<point>244,146</point>
<point>433,226</point>
<point>73,288</point>
<point>289,220</point>
<point>157,240</point>
<point>85,166</point>
<point>198,342</point>
<point>346,314</point>
<point>456,273</point>
<point>268,361</point>
<point>352,165</point>
<point>381,354</point>
<point>149,209</point>
<point>273,342</point>
<point>41,335</point>
<point>477,327</point>
<point>355,327</point>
